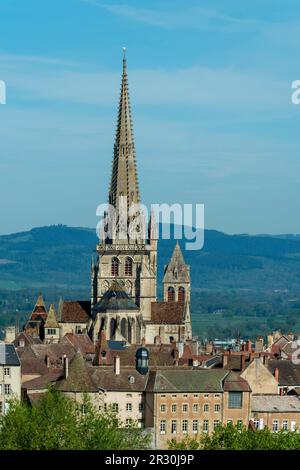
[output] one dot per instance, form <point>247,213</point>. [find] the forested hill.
<point>60,256</point>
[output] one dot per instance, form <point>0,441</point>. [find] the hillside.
<point>60,256</point>
<point>241,284</point>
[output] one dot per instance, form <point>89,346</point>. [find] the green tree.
<point>234,438</point>
<point>56,422</point>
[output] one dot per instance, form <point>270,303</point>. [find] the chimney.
<point>66,366</point>
<point>48,363</point>
<point>276,374</point>
<point>249,345</point>
<point>265,360</point>
<point>224,359</point>
<point>117,365</point>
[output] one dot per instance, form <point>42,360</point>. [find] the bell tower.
<point>124,261</point>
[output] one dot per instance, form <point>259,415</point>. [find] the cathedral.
<point>124,277</point>
<point>124,305</point>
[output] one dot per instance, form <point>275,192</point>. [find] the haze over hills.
<point>60,256</point>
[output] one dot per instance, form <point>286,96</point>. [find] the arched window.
<point>181,294</point>
<point>171,294</point>
<point>112,327</point>
<point>128,267</point>
<point>115,267</point>
<point>124,328</point>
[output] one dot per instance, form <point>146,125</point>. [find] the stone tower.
<point>177,286</point>
<point>125,268</point>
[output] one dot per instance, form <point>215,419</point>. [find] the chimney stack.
<point>249,345</point>
<point>117,365</point>
<point>224,359</point>
<point>276,374</point>
<point>66,366</point>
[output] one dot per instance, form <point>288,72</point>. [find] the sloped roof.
<point>275,403</point>
<point>51,321</point>
<point>81,341</point>
<point>75,312</point>
<point>289,373</point>
<point>235,383</point>
<point>8,355</point>
<point>195,380</point>
<point>105,378</point>
<point>177,270</point>
<point>115,298</point>
<point>79,377</point>
<point>167,312</point>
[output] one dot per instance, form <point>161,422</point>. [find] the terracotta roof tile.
<point>76,312</point>
<point>167,312</point>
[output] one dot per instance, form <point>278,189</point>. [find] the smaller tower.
<point>177,288</point>
<point>176,281</point>
<point>51,326</point>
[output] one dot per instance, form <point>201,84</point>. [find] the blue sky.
<point>210,86</point>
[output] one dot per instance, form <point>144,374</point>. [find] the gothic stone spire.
<point>124,181</point>
<point>177,269</point>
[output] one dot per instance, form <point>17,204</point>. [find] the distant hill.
<point>60,256</point>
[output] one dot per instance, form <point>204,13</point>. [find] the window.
<point>229,422</point>
<point>115,407</point>
<point>128,267</point>
<point>115,267</point>
<point>7,389</point>
<point>205,425</point>
<point>128,406</point>
<point>195,426</point>
<point>83,409</point>
<point>174,426</point>
<point>239,423</point>
<point>206,395</point>
<point>184,425</point>
<point>195,407</point>
<point>235,400</point>
<point>285,425</point>
<point>0,389</point>
<point>275,425</point>
<point>217,408</point>
<point>181,294</point>
<point>174,396</point>
<point>185,408</point>
<point>51,331</point>
<point>196,396</point>
<point>129,395</point>
<point>216,423</point>
<point>163,396</point>
<point>163,408</point>
<point>128,423</point>
<point>206,408</point>
<point>163,425</point>
<point>174,408</point>
<point>7,371</point>
<point>185,396</point>
<point>217,395</point>
<point>141,407</point>
<point>171,294</point>
<point>256,423</point>
<point>1,407</point>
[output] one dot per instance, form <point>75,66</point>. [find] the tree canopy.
<point>234,438</point>
<point>55,422</point>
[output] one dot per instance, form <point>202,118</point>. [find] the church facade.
<point>124,276</point>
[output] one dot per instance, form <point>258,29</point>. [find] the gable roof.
<point>78,311</point>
